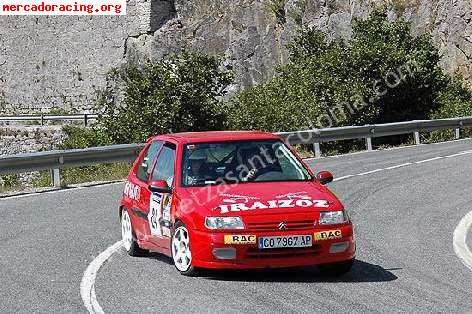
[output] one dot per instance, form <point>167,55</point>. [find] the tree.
<point>382,74</point>
<point>455,100</point>
<point>180,93</point>
<point>386,57</point>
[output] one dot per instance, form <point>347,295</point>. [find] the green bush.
<point>277,7</point>
<point>316,80</point>
<point>80,137</point>
<point>382,74</point>
<point>9,182</point>
<point>55,110</point>
<point>455,100</point>
<point>180,93</point>
<point>385,56</point>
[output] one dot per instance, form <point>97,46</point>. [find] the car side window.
<point>145,166</point>
<point>164,169</point>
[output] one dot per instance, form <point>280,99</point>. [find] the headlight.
<point>333,218</point>
<point>224,223</point>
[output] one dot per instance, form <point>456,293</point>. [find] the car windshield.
<point>240,161</point>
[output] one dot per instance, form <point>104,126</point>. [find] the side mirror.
<point>324,177</point>
<point>159,186</point>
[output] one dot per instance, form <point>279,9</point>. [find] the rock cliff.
<point>60,61</point>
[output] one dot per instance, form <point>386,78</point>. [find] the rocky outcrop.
<point>25,139</point>
<point>16,139</point>
<point>60,61</point>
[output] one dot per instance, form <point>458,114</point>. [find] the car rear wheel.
<point>181,253</point>
<point>336,269</point>
<point>127,236</point>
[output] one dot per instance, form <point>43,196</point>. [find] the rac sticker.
<point>240,239</point>
<point>327,235</point>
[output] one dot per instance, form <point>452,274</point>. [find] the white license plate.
<point>285,241</point>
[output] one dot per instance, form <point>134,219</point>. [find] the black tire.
<point>336,269</point>
<point>190,271</point>
<point>134,249</point>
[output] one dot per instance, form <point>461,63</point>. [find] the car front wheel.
<point>181,253</point>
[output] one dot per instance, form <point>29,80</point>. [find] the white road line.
<point>342,178</point>
<point>459,154</point>
<point>87,286</point>
<point>74,188</point>
<point>459,240</point>
<point>428,160</point>
<point>399,166</point>
<point>369,172</point>
<point>44,192</point>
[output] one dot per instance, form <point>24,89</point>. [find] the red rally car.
<point>233,200</point>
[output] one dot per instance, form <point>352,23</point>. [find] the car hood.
<point>261,198</point>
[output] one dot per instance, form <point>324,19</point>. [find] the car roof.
<point>217,136</point>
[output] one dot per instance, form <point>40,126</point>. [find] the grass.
<point>438,136</point>
<point>9,182</point>
<point>358,145</point>
<point>101,172</point>
<point>70,176</point>
<point>94,173</point>
<point>304,151</point>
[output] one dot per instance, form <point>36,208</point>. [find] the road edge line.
<point>87,285</point>
<point>459,240</point>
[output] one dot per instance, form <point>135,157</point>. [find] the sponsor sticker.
<point>327,235</point>
<point>166,203</point>
<point>240,239</point>
<point>238,203</point>
<point>132,191</point>
<point>155,208</point>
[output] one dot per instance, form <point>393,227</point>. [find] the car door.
<point>141,179</point>
<point>160,203</point>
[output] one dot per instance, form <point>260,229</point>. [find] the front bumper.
<point>249,256</point>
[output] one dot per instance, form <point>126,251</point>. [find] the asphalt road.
<point>404,218</point>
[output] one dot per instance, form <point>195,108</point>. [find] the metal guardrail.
<point>85,117</point>
<point>56,160</point>
<point>367,132</point>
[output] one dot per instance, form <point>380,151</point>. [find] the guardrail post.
<point>56,178</point>
<point>317,149</point>
<point>85,120</point>
<point>417,138</point>
<point>42,119</point>
<point>368,143</point>
<point>457,133</point>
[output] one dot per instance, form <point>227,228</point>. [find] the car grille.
<point>255,253</point>
<point>274,225</point>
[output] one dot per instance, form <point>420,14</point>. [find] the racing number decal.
<point>155,207</point>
